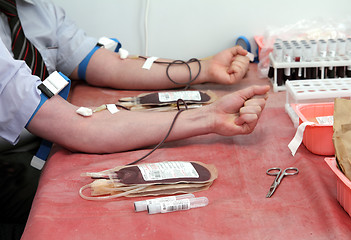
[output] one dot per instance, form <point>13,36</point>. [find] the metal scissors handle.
<point>279,176</point>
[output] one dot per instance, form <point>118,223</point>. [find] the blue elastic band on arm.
<point>43,152</point>
<point>82,68</point>
<point>43,99</point>
<point>119,45</point>
<point>64,94</point>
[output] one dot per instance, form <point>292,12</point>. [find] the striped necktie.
<point>22,48</point>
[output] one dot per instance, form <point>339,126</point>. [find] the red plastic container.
<point>317,138</point>
<point>343,186</point>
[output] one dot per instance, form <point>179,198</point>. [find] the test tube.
<point>287,57</point>
<point>348,47</point>
<point>297,72</point>
<point>341,47</point>
<point>331,56</point>
<point>294,42</point>
<point>322,49</point>
<point>341,51</point>
<point>142,205</point>
<point>178,205</point>
<point>314,48</point>
<point>280,71</point>
<point>311,72</point>
<point>274,53</point>
<point>304,42</point>
<point>348,53</point>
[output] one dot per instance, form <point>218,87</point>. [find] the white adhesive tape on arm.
<point>84,111</point>
<point>250,56</point>
<point>112,108</point>
<point>123,54</point>
<point>148,63</point>
<point>297,140</point>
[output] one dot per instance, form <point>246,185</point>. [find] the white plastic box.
<point>314,91</point>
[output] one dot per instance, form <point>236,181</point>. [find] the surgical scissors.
<point>279,176</point>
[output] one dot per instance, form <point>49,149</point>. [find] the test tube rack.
<point>314,91</point>
<point>317,62</point>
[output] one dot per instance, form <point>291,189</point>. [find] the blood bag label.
<point>174,96</point>
<point>168,170</point>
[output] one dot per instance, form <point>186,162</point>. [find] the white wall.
<point>193,28</point>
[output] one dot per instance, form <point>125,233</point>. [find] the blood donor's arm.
<point>103,132</point>
<point>107,69</point>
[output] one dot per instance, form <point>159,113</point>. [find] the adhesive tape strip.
<point>112,108</point>
<point>123,53</point>
<point>148,63</point>
<point>250,56</point>
<point>296,141</point>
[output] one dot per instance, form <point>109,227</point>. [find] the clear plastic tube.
<point>297,53</point>
<point>341,47</point>
<point>348,46</point>
<point>279,54</point>
<point>331,48</point>
<point>287,55</point>
<point>142,205</point>
<point>322,47</point>
<point>307,54</point>
<point>178,205</point>
<point>314,48</point>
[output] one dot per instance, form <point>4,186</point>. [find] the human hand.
<point>228,66</point>
<point>238,112</point>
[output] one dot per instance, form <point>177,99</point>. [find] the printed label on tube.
<point>172,206</point>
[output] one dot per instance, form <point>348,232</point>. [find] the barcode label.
<point>167,170</point>
<point>177,205</point>
<point>174,96</point>
<point>160,200</point>
<point>326,120</point>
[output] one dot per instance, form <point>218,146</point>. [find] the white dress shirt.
<point>62,45</point>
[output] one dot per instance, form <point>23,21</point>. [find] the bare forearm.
<point>106,69</point>
<point>57,121</point>
<point>104,132</point>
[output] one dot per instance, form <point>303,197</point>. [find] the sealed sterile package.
<point>342,135</point>
<point>162,178</point>
<point>167,101</point>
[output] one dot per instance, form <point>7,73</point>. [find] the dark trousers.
<point>18,184</point>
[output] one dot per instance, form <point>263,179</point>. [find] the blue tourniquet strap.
<point>82,67</point>
<point>119,45</point>
<point>43,152</point>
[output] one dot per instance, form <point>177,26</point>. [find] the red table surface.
<point>303,207</point>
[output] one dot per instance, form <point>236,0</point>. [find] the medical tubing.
<point>180,62</point>
<point>169,131</point>
<point>133,189</point>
